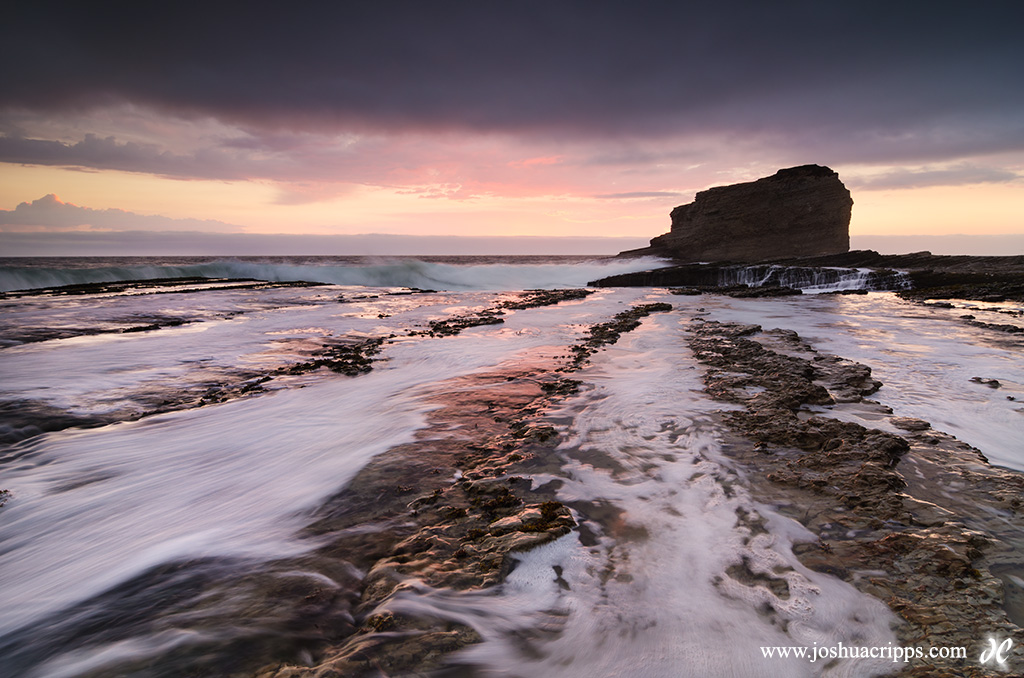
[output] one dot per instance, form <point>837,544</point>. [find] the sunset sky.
<point>554,118</point>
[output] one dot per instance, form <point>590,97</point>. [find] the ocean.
<point>468,272</point>
<point>201,470</point>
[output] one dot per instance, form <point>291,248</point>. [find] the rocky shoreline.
<point>451,509</point>
<point>901,511</point>
<point>448,510</point>
<point>896,512</point>
<point>916,276</point>
<point>346,355</point>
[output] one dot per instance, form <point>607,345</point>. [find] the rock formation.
<point>797,212</point>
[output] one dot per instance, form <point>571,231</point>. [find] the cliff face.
<point>797,212</point>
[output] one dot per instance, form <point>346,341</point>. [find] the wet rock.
<point>22,419</point>
<point>492,316</point>
<point>860,291</point>
<point>466,505</point>
<point>738,278</point>
<point>182,285</point>
<point>604,334</point>
<point>414,651</point>
<point>998,327</point>
<point>755,292</point>
<point>743,573</point>
<point>884,506</point>
<point>535,298</point>
<point>991,383</point>
<point>561,386</point>
<point>842,459</point>
<point>156,325</point>
<point>347,357</point>
<point>910,424</point>
<point>973,278</point>
<point>506,525</point>
<point>411,290</point>
<point>452,326</point>
<point>920,277</point>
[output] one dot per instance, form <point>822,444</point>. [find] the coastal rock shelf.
<point>313,481</point>
<point>920,276</point>
<point>709,277</point>
<point>350,355</point>
<point>877,500</point>
<point>458,535</point>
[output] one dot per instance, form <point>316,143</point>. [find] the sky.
<point>178,123</point>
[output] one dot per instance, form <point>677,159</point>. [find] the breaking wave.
<point>504,273</point>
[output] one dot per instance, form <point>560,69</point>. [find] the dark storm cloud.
<point>275,157</point>
<point>874,71</point>
<point>108,153</point>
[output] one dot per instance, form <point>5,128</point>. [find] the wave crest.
<point>504,275</point>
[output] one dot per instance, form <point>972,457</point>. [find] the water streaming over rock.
<point>146,527</point>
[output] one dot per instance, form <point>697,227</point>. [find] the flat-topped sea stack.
<point>797,212</point>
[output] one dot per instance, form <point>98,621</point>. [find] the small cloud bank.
<point>50,213</point>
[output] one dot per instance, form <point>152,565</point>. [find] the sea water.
<point>471,272</point>
<point>94,508</point>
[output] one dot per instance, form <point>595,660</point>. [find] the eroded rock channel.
<point>910,514</point>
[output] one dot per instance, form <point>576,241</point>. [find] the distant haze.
<point>977,245</point>
<point>141,243</point>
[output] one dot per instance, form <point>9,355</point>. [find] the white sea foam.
<point>925,357</point>
<point>226,480</point>
<point>653,596</point>
<point>370,271</point>
<point>92,508</point>
<point>234,330</point>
